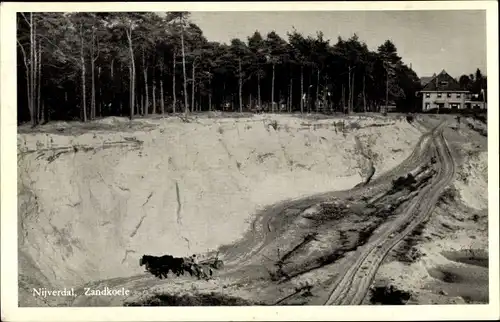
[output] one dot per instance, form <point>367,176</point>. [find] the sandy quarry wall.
<point>91,205</point>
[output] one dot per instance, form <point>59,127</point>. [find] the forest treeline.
<point>87,65</point>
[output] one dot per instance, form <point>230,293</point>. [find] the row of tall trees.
<point>87,65</point>
<point>476,84</point>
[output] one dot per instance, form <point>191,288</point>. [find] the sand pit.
<point>91,202</point>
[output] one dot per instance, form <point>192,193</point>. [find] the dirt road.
<point>351,288</point>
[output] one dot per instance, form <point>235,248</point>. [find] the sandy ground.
<point>93,199</point>
<point>447,262</point>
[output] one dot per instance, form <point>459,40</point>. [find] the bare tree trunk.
<point>291,95</point>
<point>193,84</point>
<point>29,76</point>
<point>272,90</point>
<point>146,87</point>
<point>82,61</point>
<point>186,107</point>
<point>173,84</point>
<point>26,66</point>
<point>364,93</point>
<point>132,72</point>
<point>317,91</point>
<point>352,94</point>
<point>35,79</point>
<point>199,100</point>
<point>92,67</point>
<point>210,92</point>
<point>100,90</point>
<point>154,94</point>
<point>33,69</point>
<point>113,82</point>
<point>258,91</point>
<point>343,98</point>
<point>162,97</point>
<point>137,103</point>
<point>301,89</point>
<point>143,104</point>
<point>349,92</point>
<point>39,74</point>
<point>387,90</point>
<point>240,87</point>
<point>44,113</point>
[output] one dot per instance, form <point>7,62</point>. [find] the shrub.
<point>389,296</point>
<point>404,182</point>
<point>274,124</point>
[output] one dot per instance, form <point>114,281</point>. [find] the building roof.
<point>442,82</point>
<point>424,80</point>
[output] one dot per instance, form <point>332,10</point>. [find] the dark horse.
<point>160,266</point>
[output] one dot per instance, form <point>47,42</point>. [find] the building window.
<point>448,95</point>
<point>427,106</point>
<point>439,95</point>
<point>443,83</point>
<point>459,95</point>
<point>427,95</point>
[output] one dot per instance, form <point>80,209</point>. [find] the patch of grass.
<point>339,126</point>
<point>274,124</point>
<point>449,195</point>
<point>354,126</point>
<point>200,299</point>
<point>262,157</point>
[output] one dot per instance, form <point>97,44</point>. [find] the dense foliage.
<point>86,65</point>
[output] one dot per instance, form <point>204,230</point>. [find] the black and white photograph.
<point>190,157</point>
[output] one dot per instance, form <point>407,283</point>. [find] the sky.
<point>453,40</point>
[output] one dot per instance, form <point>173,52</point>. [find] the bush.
<point>449,194</point>
<point>404,182</point>
<point>389,296</point>
<point>274,124</point>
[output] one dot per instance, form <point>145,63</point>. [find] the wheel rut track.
<point>271,216</point>
<point>352,287</point>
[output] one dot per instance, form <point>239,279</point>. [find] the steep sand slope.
<point>90,205</point>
